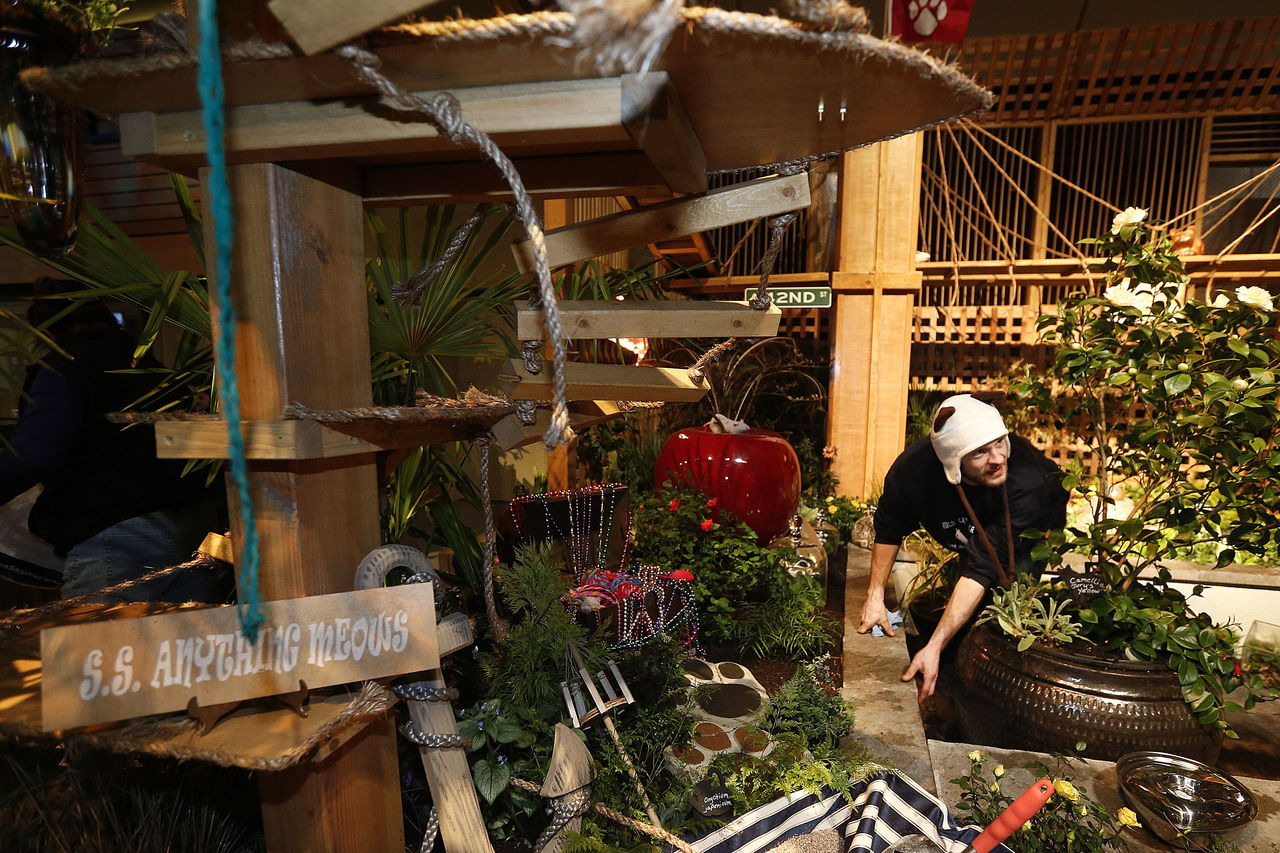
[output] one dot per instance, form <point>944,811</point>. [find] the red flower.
<point>1237,670</point>
<point>674,505</point>
<point>706,525</point>
<point>712,503</point>
<point>681,575</point>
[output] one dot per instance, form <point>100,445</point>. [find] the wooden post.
<point>875,282</point>
<point>561,461</point>
<point>298,285</point>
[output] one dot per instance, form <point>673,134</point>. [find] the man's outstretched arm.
<point>962,604</point>
<point>873,609</point>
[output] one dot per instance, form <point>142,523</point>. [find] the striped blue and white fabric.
<point>886,808</point>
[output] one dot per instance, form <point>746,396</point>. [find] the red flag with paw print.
<point>931,20</point>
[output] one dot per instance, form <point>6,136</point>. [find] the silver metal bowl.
<point>1183,801</point>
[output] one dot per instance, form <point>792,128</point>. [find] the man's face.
<point>988,465</point>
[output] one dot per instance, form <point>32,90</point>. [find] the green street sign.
<point>796,297</point>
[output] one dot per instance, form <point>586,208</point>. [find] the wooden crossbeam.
<point>613,114</point>
<point>303,439</point>
<point>676,218</point>
<point>604,318</point>
<point>317,25</point>
<point>605,382</point>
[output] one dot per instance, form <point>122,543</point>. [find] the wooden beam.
<point>297,237</point>
<point>449,777</point>
<point>653,115</point>
<point>605,382</point>
<point>606,173</point>
<point>676,218</point>
<point>595,319</point>
<point>558,116</point>
<point>317,25</point>
<point>290,439</point>
<point>888,282</point>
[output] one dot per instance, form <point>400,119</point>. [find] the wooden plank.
<point>676,218</point>
<point>607,173</point>
<point>449,777</point>
<point>317,25</point>
<point>523,118</point>
<point>738,81</point>
<point>595,319</point>
<point>291,439</point>
<point>299,287</point>
<point>605,382</point>
<point>653,115</point>
<point>124,668</point>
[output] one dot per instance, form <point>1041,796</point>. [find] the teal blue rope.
<point>209,80</point>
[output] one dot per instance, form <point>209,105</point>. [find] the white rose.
<point>1255,297</point>
<point>1128,216</point>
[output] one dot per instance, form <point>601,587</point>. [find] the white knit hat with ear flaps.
<point>961,425</point>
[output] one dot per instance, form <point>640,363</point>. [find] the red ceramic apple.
<point>754,474</point>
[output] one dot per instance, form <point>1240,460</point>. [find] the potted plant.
<point>40,137</point>
<point>1176,397</point>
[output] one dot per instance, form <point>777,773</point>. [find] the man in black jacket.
<point>108,504</point>
<point>975,489</point>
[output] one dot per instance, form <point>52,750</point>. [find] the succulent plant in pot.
<point>1176,397</point>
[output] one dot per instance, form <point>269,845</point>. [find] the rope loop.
<point>433,740</point>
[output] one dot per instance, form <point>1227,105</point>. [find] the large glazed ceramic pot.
<point>1048,700</point>
<point>39,136</point>
<point>755,475</point>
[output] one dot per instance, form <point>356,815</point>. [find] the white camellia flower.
<point>1122,295</point>
<point>1220,301</point>
<point>1255,297</point>
<point>1128,216</point>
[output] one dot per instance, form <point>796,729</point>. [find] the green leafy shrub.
<point>1176,397</point>
<point>735,580</point>
<point>804,707</point>
<point>1026,612</point>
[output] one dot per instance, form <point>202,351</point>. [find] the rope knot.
<point>447,112</point>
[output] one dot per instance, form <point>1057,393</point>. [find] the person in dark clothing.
<point>108,504</point>
<point>975,489</point>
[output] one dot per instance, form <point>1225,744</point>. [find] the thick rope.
<point>432,831</point>
<point>420,692</point>
<point>444,113</point>
<point>20,620</point>
<point>209,81</point>
<point>697,372</point>
<point>433,740</point>
<point>496,622</point>
<point>637,826</point>
<point>410,293</point>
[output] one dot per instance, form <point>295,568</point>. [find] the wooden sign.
<point>105,671</point>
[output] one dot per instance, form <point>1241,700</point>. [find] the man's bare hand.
<point>926,664</point>
<point>874,613</point>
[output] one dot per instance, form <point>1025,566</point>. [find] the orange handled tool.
<point>1019,812</point>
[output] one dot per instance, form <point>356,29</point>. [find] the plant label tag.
<point>105,671</point>
<point>1085,586</point>
<point>710,797</point>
